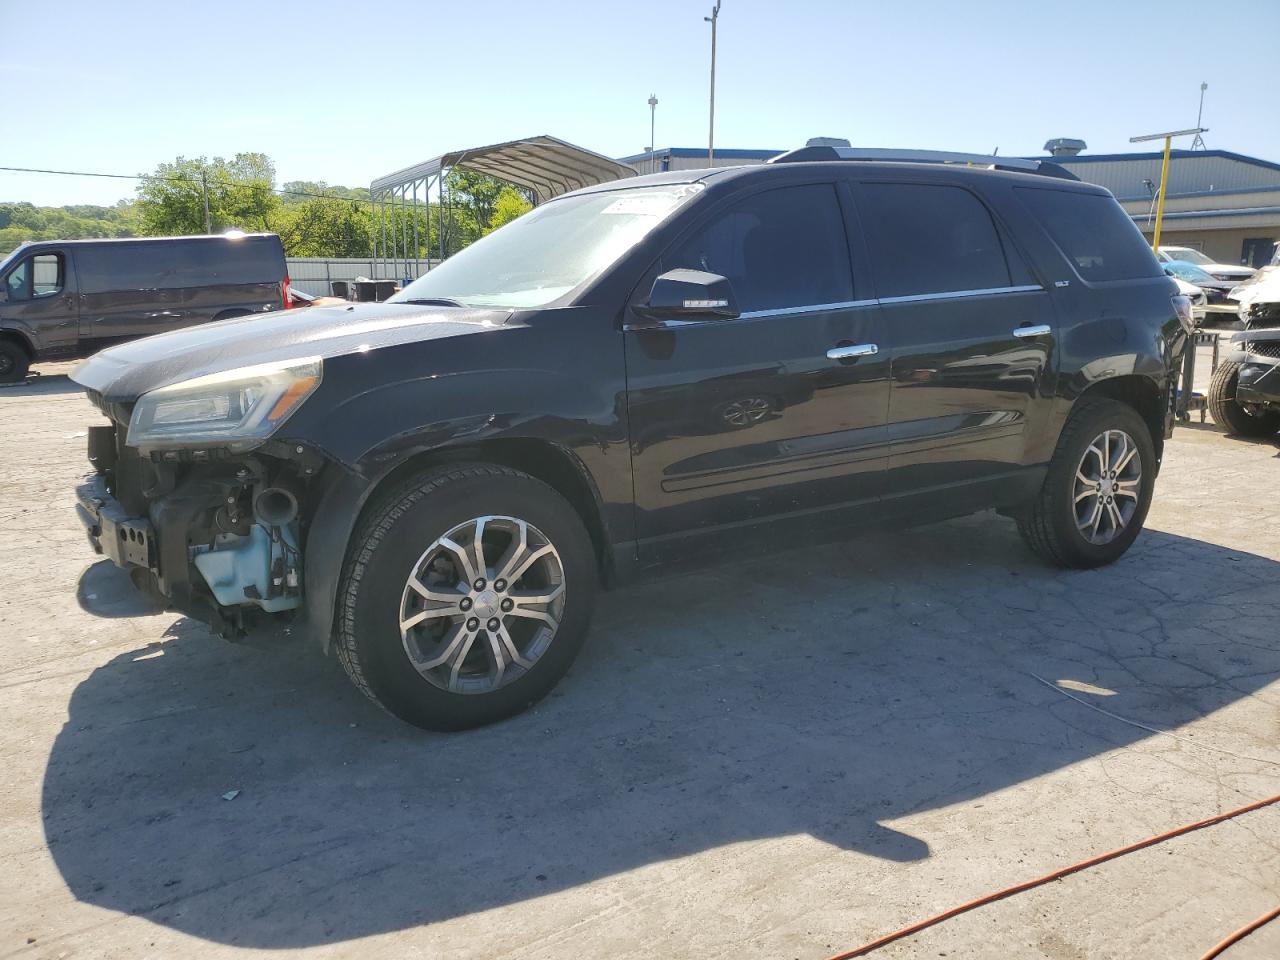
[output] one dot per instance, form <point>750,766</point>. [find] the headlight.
<point>237,409</point>
<point>1182,307</point>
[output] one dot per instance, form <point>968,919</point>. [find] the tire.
<point>1050,524</point>
<point>14,362</point>
<point>375,597</point>
<point>1229,414</point>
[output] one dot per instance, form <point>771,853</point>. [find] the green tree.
<point>239,193</point>
<point>21,222</point>
<point>327,228</point>
<point>509,205</point>
<point>299,191</point>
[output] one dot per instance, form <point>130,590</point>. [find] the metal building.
<point>694,158</point>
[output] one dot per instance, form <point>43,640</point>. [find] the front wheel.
<point>14,362</point>
<point>1097,490</point>
<point>1229,413</point>
<point>465,597</point>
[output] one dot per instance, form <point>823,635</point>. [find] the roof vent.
<point>1065,146</point>
<point>827,142</point>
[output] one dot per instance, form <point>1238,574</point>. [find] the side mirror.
<point>689,295</point>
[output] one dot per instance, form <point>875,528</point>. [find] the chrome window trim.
<point>843,305</point>
<point>812,308</point>
<point>955,294</point>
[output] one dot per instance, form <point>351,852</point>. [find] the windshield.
<point>1187,271</point>
<point>550,250</point>
<point>1185,253</point>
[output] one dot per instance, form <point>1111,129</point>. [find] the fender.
<point>1124,360</point>
<point>391,426</point>
<point>24,332</point>
<point>341,501</point>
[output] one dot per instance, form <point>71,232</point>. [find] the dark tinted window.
<point>180,263</point>
<point>931,239</point>
<point>781,248</point>
<point>1094,232</point>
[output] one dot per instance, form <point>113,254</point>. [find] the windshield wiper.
<point>434,302</point>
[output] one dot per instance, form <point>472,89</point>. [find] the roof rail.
<point>818,152</point>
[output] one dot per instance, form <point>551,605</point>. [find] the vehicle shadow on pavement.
<point>48,385</point>
<point>825,692</point>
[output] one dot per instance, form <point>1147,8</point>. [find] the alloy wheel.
<point>1108,485</point>
<point>482,604</point>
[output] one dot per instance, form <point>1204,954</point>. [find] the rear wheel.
<point>1097,490</point>
<point>1229,413</point>
<point>466,596</point>
<point>14,362</point>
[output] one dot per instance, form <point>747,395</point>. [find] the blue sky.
<point>344,92</point>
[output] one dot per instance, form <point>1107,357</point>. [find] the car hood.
<point>122,374</point>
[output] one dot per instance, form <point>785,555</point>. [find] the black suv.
<point>633,376</point>
<point>63,299</point>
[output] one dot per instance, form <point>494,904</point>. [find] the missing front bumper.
<point>126,541</point>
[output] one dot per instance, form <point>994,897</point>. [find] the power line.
<point>179,178</point>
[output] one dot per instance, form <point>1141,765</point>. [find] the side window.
<point>781,248</point>
<point>117,267</point>
<point>927,238</point>
<point>40,276</point>
<point>1096,235</point>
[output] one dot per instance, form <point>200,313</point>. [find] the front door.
<point>740,426</point>
<point>40,302</point>
<point>970,333</point>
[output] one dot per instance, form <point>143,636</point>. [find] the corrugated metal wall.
<point>1186,174</point>
<point>313,274</point>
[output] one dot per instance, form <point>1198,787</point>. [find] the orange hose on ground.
<point>1243,932</point>
<point>1058,875</point>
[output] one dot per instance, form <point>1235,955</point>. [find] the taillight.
<point>1182,306</point>
<point>284,292</point>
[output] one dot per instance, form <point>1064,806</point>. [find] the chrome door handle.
<point>1034,330</point>
<point>853,350</point>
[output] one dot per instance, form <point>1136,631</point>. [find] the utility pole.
<point>711,134</point>
<point>653,109</point>
<point>1164,172</point>
<point>1198,142</point>
<point>204,189</point>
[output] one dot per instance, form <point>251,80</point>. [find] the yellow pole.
<point>1164,179</point>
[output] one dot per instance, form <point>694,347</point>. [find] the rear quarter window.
<point>1094,233</point>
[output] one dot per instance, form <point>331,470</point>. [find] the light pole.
<point>711,134</point>
<point>1164,172</point>
<point>653,109</point>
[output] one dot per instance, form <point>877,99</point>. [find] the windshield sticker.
<point>641,206</point>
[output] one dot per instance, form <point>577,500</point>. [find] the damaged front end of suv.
<point>1244,395</point>
<point>193,497</point>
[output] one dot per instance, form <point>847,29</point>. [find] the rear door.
<point>736,424</point>
<point>970,332</point>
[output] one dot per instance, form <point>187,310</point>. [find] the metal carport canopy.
<point>544,165</point>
